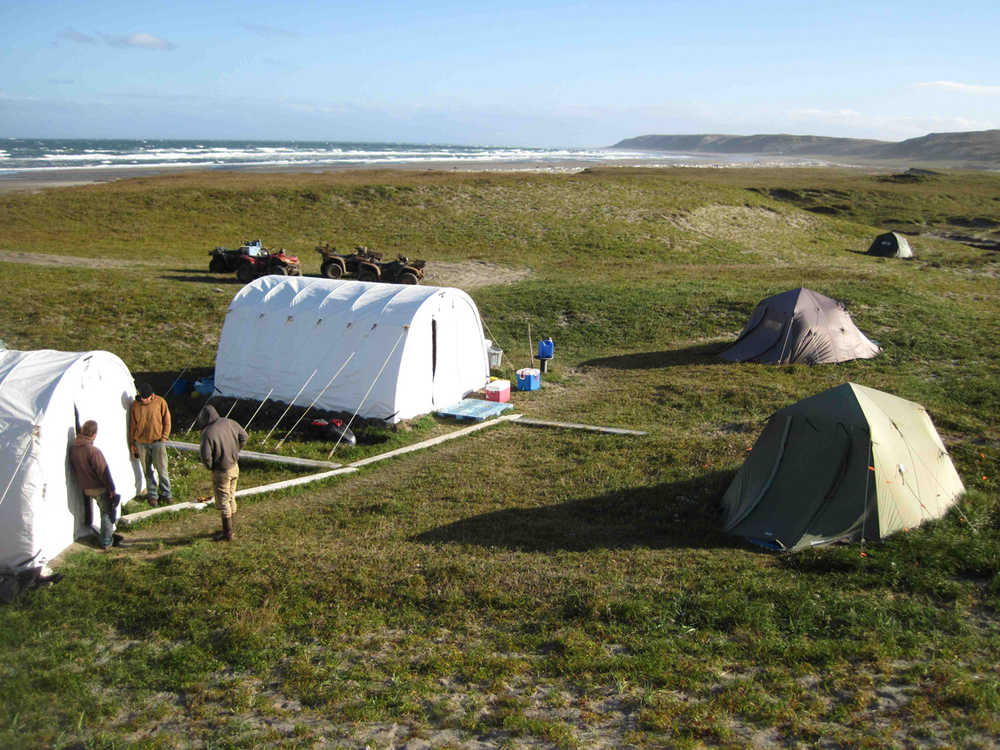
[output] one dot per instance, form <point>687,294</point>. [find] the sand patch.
<point>44,259</point>
<point>468,274</point>
<point>743,223</point>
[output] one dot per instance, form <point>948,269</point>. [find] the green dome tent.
<point>846,464</point>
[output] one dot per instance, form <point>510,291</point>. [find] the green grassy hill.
<point>527,587</point>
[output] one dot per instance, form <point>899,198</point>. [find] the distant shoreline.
<point>35,180</point>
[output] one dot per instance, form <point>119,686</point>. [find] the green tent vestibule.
<point>849,463</point>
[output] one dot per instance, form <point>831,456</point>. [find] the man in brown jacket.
<point>148,427</point>
<point>94,477</point>
<point>221,441</point>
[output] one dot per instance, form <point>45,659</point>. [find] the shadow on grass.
<point>703,354</point>
<point>679,514</point>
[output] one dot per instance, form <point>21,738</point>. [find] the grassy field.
<point>528,587</point>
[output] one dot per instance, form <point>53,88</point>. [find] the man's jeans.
<point>106,535</point>
<point>154,455</point>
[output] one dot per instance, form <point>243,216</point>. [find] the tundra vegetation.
<point>525,587</point>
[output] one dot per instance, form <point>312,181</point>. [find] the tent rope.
<point>24,455</point>
<point>318,397</point>
<point>487,327</point>
<point>259,407</point>
<point>290,404</point>
<point>868,507</point>
<point>365,397</point>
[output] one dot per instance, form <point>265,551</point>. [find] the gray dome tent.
<point>846,464</point>
<point>891,245</point>
<point>800,326</point>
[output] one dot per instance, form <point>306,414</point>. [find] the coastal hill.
<point>980,147</point>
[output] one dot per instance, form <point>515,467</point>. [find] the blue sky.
<point>514,73</point>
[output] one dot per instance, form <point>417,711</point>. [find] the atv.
<point>336,265</point>
<point>264,262</point>
<point>225,260</point>
<point>399,271</point>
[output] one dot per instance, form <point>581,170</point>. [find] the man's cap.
<point>145,390</point>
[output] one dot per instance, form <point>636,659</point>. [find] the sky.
<point>513,73</point>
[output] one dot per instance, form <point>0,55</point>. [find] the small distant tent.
<point>800,326</point>
<point>44,396</point>
<point>891,245</point>
<point>846,464</point>
<point>405,350</point>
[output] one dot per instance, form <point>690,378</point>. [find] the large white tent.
<point>44,396</point>
<point>401,350</point>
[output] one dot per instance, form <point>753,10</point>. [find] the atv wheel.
<point>245,273</point>
<point>408,277</point>
<point>367,274</point>
<point>279,271</point>
<point>331,270</point>
<point>297,271</point>
<point>217,265</point>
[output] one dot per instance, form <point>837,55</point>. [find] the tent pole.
<point>365,397</point>
<point>247,427</point>
<point>290,405</point>
<point>177,378</point>
<point>27,450</point>
<point>195,420</point>
<point>328,384</point>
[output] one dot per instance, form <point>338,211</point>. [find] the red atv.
<point>259,262</point>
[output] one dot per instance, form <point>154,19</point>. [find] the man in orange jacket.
<point>148,427</point>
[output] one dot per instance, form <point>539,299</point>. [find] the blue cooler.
<point>528,379</point>
<point>205,386</point>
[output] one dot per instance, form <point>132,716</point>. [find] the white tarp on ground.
<point>44,396</point>
<point>280,331</point>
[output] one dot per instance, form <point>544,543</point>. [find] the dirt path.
<point>468,274</point>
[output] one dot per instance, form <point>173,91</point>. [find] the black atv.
<point>399,271</point>
<point>338,265</point>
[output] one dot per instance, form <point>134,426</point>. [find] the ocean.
<point>25,156</point>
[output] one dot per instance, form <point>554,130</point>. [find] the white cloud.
<point>885,127</point>
<point>140,40</point>
<point>78,36</point>
<point>965,88</point>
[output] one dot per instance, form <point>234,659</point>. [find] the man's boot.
<point>227,528</point>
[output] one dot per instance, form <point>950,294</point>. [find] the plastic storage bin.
<point>528,379</point>
<point>496,355</point>
<point>498,390</point>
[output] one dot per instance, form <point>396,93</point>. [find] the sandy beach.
<point>35,180</point>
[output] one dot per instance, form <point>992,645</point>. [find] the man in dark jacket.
<point>221,441</point>
<point>94,477</point>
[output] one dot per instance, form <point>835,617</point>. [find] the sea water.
<point>20,155</point>
<point>29,155</point>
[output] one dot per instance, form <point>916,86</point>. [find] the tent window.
<point>434,347</point>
